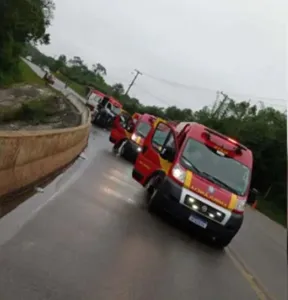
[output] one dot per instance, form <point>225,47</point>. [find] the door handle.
<point>145,148</point>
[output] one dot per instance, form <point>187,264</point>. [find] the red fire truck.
<point>197,175</point>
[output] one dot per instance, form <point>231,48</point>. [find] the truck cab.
<point>107,109</point>
<point>198,175</point>
<point>93,99</point>
<point>133,145</point>
<point>131,134</point>
<point>122,128</point>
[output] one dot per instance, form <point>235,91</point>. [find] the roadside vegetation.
<point>35,107</point>
<point>25,101</point>
<point>28,76</point>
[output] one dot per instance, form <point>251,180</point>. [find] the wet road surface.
<point>95,240</point>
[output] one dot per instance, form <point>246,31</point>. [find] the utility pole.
<point>133,81</point>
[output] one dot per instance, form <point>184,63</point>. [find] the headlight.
<point>179,173</point>
<point>134,137</point>
<point>240,205</point>
<point>139,149</point>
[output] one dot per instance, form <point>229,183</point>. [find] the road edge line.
<point>259,288</point>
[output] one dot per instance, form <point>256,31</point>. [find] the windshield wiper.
<point>193,167</point>
<point>220,182</point>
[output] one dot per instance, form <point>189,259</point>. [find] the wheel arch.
<point>157,172</point>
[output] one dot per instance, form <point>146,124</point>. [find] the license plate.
<point>198,221</point>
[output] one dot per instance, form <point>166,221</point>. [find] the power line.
<point>161,100</point>
<point>218,93</point>
<point>194,87</point>
<point>133,81</point>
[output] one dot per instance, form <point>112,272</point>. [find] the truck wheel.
<point>154,202</point>
<point>150,188</point>
<point>116,146</point>
<point>153,194</point>
<point>123,150</point>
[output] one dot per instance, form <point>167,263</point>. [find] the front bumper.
<point>168,198</point>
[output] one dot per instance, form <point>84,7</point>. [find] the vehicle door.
<point>121,128</point>
<point>159,150</point>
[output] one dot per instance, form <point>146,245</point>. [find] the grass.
<point>78,88</point>
<point>28,75</point>
<point>273,212</point>
<point>22,74</point>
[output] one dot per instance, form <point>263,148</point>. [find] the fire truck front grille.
<point>204,209</point>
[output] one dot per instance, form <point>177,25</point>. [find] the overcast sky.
<point>235,46</point>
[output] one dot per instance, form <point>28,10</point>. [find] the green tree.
<point>99,69</point>
<point>21,21</point>
<point>117,89</point>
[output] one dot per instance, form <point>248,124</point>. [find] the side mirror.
<point>252,197</point>
<point>167,153</point>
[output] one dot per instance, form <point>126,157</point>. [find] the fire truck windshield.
<point>143,129</point>
<point>220,169</point>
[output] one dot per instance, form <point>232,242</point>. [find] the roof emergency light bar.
<point>210,132</point>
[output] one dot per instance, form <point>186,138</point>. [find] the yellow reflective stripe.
<point>138,140</point>
<point>188,179</point>
<point>233,202</point>
<point>165,165</point>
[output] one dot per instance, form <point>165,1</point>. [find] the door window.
<point>163,137</point>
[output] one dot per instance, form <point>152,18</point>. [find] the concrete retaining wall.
<point>26,157</point>
<point>80,106</point>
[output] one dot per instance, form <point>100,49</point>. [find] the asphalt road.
<point>89,236</point>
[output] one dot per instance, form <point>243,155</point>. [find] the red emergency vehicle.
<point>198,175</point>
<point>131,142</point>
<point>93,99</point>
<point>122,128</point>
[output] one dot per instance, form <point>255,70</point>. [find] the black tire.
<point>123,150</point>
<point>150,188</point>
<point>154,202</point>
<point>153,195</point>
<point>117,146</point>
